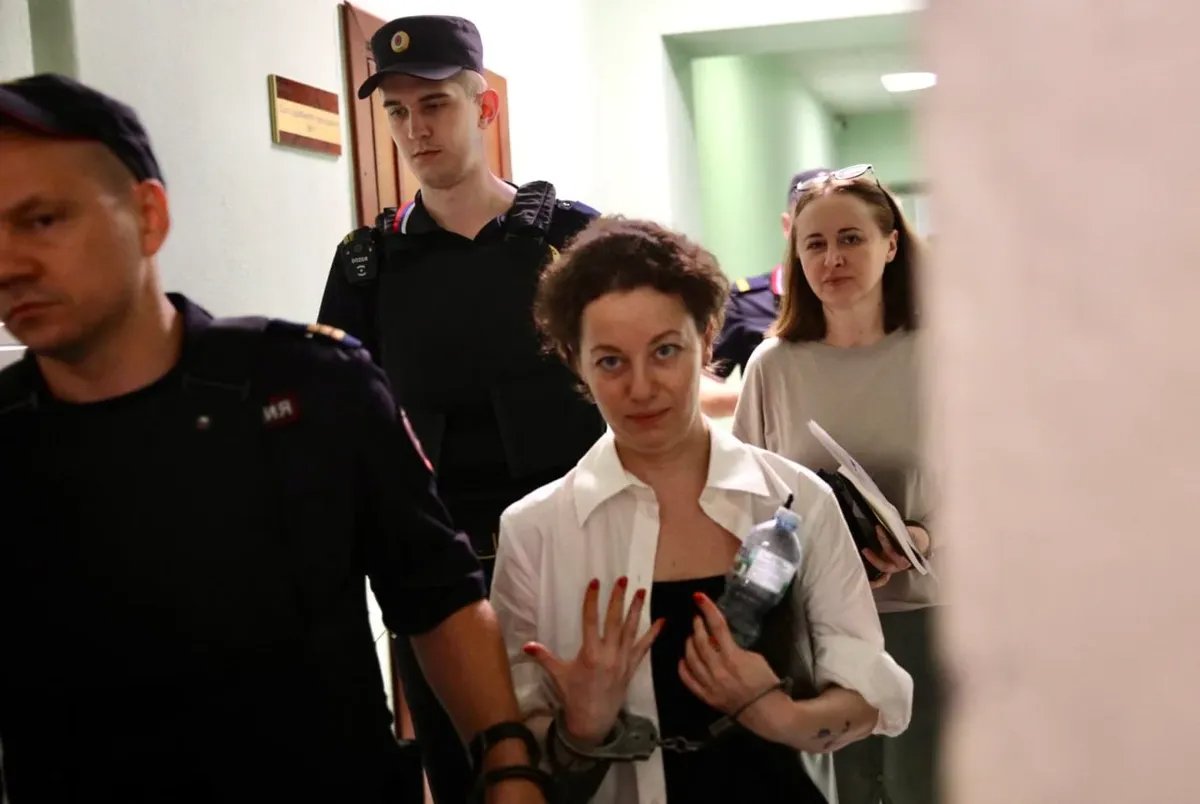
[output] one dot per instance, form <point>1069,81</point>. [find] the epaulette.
<point>322,333</point>
<point>746,284</point>
<point>570,217</point>
<point>579,208</point>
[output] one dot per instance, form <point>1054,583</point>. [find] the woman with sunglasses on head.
<point>639,536</point>
<point>844,353</point>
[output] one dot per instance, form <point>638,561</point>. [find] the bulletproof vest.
<point>456,332</point>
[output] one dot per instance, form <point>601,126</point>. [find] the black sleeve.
<point>729,347</point>
<point>420,568</point>
<point>348,307</point>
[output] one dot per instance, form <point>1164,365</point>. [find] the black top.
<point>739,767</point>
<point>752,308</point>
<point>182,576</point>
<point>342,305</point>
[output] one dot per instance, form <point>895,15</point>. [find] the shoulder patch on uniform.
<point>332,333</point>
<point>578,207</point>
<point>569,219</point>
<point>746,284</point>
<point>321,332</point>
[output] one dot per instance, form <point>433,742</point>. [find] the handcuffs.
<point>634,738</point>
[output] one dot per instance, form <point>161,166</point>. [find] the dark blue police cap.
<point>58,106</point>
<point>429,47</point>
<point>799,179</point>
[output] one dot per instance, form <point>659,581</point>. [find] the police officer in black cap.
<point>752,308</point>
<point>441,293</point>
<point>192,508</point>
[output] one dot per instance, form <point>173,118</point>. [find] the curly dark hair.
<point>614,253</point>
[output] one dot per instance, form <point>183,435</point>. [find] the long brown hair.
<point>801,314</point>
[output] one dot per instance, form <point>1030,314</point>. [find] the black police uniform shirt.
<point>752,308</point>
<point>183,610</point>
<point>450,320</point>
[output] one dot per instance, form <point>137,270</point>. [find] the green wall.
<point>755,126</point>
<point>883,139</point>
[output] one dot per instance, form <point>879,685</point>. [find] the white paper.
<point>852,471</point>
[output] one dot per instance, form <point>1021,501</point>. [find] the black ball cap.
<point>58,106</point>
<point>429,47</point>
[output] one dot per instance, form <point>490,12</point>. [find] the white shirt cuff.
<point>856,665</point>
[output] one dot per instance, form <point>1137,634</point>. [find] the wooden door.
<point>381,179</point>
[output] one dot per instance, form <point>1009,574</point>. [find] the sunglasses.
<point>847,174</point>
<point>841,174</point>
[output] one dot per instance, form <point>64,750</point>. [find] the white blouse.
<point>600,521</point>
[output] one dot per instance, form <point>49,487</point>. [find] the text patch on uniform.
<point>280,410</point>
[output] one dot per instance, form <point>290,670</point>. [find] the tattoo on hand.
<point>825,734</point>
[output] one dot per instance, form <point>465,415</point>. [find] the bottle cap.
<point>788,520</point>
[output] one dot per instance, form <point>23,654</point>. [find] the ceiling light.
<point>907,82</point>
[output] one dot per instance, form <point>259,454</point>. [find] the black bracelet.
<point>524,772</point>
<point>784,684</point>
<point>487,739</point>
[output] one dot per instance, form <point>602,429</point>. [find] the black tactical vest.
<point>458,342</point>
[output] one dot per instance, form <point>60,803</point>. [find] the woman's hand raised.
<point>591,687</point>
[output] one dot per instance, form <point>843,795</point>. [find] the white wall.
<point>255,223</point>
<point>16,60</point>
<point>641,97</point>
<point>16,47</point>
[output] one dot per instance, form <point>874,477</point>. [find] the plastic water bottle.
<point>761,574</point>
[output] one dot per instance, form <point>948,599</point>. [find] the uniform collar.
<point>196,321</point>
<point>600,476</point>
<point>414,218</point>
<point>28,377</point>
<point>195,318</point>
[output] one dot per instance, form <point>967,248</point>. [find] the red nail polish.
<point>529,650</point>
<point>595,584</point>
<point>641,594</point>
<point>699,598</point>
<point>622,582</point>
